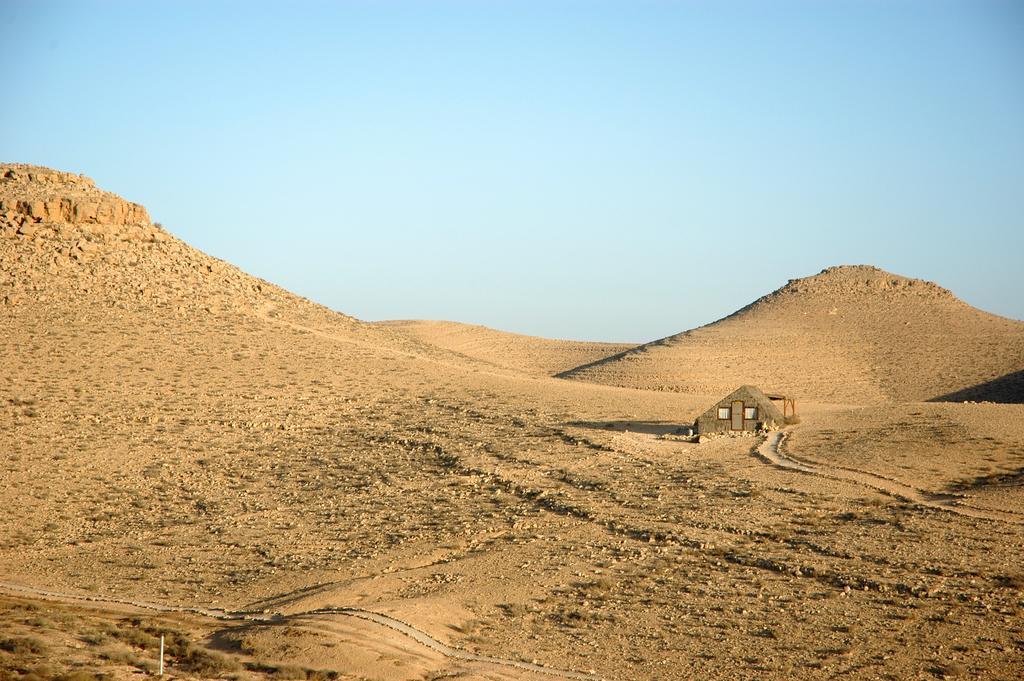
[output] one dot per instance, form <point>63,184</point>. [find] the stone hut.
<point>744,409</point>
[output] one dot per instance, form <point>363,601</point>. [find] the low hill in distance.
<point>850,334</point>
<point>529,354</point>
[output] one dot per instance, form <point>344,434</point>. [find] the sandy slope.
<point>529,354</point>
<point>851,334</point>
<point>971,450</point>
<point>175,431</point>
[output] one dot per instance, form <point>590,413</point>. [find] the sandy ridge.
<point>528,354</point>
<point>769,450</point>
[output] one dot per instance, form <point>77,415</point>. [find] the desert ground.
<point>286,492</point>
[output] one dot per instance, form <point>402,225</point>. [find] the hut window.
<point>750,413</point>
<point>723,413</point>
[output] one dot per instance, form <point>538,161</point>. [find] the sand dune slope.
<point>529,354</point>
<point>852,334</point>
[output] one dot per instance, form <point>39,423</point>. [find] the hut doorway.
<point>737,415</point>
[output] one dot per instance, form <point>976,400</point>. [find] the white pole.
<point>161,654</point>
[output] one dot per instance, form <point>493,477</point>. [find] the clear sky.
<point>597,170</point>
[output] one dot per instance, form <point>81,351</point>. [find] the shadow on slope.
<point>647,427</point>
<point>1002,479</point>
<point>598,362</point>
<point>1008,389</point>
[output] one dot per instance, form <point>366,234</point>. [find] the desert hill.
<point>529,354</point>
<point>72,250</point>
<point>177,433</point>
<point>851,334</point>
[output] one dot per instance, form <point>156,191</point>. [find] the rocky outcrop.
<point>847,281</point>
<point>102,212</point>
<point>50,196</point>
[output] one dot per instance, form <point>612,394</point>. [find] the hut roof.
<point>751,393</point>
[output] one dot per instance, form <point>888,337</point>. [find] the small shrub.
<point>1010,581</point>
<point>514,609</point>
<point>114,656</point>
<point>948,670</point>
<point>43,671</point>
<point>23,646</point>
<point>205,663</point>
<point>320,675</point>
<point>138,638</point>
<point>288,672</point>
<point>468,627</point>
<point>80,675</point>
<point>94,638</point>
<point>29,676</point>
<point>147,666</point>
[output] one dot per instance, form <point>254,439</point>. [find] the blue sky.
<point>598,170</point>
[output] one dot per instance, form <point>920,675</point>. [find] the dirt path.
<point>769,451</point>
<point>417,635</point>
<point>446,650</point>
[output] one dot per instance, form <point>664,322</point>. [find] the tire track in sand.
<point>769,451</point>
<point>418,635</point>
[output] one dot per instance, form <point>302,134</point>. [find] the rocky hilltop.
<point>854,280</point>
<point>68,249</point>
<point>32,195</point>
